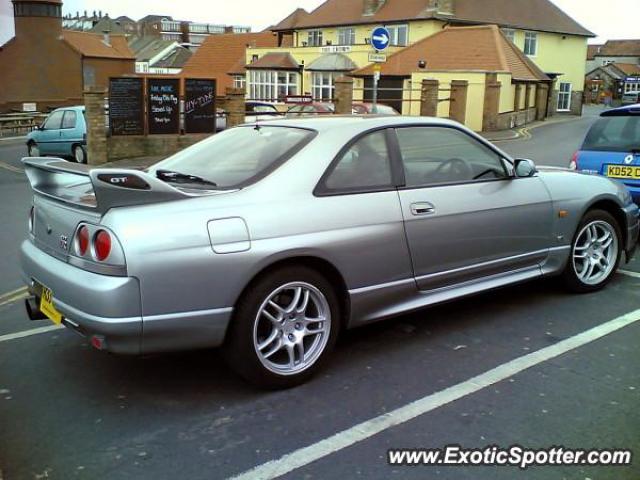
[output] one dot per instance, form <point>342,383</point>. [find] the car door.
<point>360,199</point>
<point>49,136</point>
<point>466,216</point>
<point>68,133</point>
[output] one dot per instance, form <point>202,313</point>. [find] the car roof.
<point>622,111</point>
<point>331,122</point>
<point>75,107</point>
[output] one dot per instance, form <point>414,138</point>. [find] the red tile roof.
<point>628,69</point>
<point>290,22</point>
<point>93,45</point>
<point>275,61</point>
<point>483,48</point>
<point>541,15</point>
<point>620,48</point>
<point>219,54</point>
<point>592,50</point>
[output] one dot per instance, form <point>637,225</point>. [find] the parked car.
<point>367,109</point>
<point>311,109</point>
<point>261,111</point>
<point>612,148</point>
<point>269,239</point>
<point>63,133</point>
<point>630,98</point>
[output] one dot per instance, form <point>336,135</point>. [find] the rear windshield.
<point>614,134</point>
<point>239,156</point>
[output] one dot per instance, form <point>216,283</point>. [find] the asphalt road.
<point>67,411</point>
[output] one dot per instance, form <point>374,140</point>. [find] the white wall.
<point>6,21</point>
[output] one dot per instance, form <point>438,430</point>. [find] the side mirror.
<point>525,168</point>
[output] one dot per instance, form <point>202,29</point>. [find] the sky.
<point>610,19</point>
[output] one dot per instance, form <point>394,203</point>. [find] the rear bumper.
<point>92,304</point>
<point>110,308</point>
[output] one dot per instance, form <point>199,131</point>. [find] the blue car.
<point>63,134</point>
<point>612,148</point>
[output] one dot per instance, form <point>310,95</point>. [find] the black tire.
<point>239,350</point>
<point>79,154</point>
<point>31,150</point>
<point>570,277</point>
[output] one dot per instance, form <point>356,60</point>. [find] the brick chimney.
<point>371,7</point>
<point>42,19</point>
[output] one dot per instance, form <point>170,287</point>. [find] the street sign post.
<point>380,39</point>
<point>377,58</point>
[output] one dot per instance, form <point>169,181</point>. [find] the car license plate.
<point>47,307</point>
<point>623,171</point>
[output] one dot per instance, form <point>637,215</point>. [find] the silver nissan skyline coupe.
<point>269,239</point>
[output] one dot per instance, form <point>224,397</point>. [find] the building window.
<point>346,36</point>
<point>199,28</point>
<point>510,33</point>
<point>399,35</point>
<point>531,44</point>
<point>170,26</point>
<point>37,10</point>
<point>272,85</point>
<point>315,38</point>
<point>632,87</point>
<point>323,85</point>
<point>564,97</point>
<point>239,81</point>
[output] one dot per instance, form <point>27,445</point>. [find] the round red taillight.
<point>83,240</point>
<point>102,245</point>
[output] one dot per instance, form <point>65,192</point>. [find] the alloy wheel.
<point>595,252</point>
<point>292,328</point>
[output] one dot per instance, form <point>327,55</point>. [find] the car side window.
<point>69,120</point>
<point>366,165</point>
<point>54,121</point>
<point>442,155</point>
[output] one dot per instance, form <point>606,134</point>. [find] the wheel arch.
<point>613,208</point>
<point>320,265</point>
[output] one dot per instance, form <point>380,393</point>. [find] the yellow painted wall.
<point>475,94</point>
<point>418,30</point>
<point>507,93</point>
<point>560,55</point>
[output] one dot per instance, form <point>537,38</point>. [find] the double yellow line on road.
<point>16,295</point>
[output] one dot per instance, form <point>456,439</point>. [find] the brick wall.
<point>119,148</point>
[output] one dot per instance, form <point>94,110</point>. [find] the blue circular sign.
<point>380,38</point>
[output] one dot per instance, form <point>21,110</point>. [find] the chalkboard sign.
<point>163,105</point>
<point>126,107</point>
<point>199,105</point>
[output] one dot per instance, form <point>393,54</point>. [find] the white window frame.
<point>510,33</point>
<point>396,39</point>
<point>632,87</point>
<point>239,81</point>
<point>315,38</point>
<point>564,94</point>
<point>267,85</point>
<point>323,85</point>
<point>530,47</point>
<point>347,36</point>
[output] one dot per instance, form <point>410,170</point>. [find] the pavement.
<point>528,365</point>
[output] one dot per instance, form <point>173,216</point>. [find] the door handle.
<point>422,208</point>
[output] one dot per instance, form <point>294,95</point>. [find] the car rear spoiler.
<point>99,189</point>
